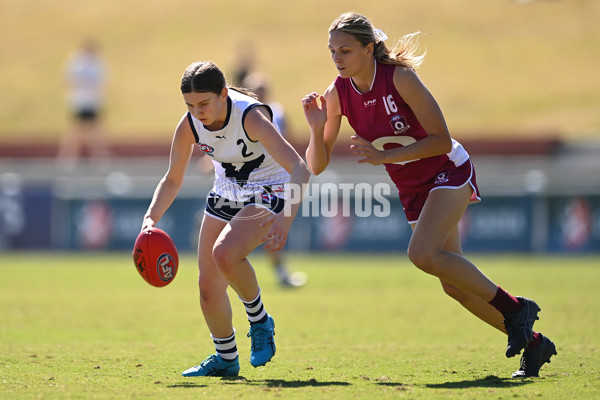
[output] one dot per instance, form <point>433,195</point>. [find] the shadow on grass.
<point>190,384</point>
<point>489,381</point>
<point>186,385</point>
<point>396,385</point>
<point>297,383</point>
<point>273,383</point>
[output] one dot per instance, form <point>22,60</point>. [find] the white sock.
<point>226,347</point>
<point>255,310</point>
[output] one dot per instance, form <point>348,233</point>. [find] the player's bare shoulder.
<point>406,80</point>
<point>257,123</point>
<point>183,136</point>
<point>333,101</point>
<point>184,127</point>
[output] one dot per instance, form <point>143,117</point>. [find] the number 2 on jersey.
<point>244,148</point>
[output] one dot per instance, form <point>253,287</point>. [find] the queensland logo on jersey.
<point>165,266</point>
<point>206,148</point>
<point>399,124</point>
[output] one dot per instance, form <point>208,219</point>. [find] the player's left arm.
<point>182,147</point>
<point>426,109</point>
<point>259,127</point>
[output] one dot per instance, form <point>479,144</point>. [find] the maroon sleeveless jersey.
<point>382,117</point>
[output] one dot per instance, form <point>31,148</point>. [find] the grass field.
<point>500,67</point>
<point>86,326</point>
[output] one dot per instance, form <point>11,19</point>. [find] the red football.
<point>155,257</point>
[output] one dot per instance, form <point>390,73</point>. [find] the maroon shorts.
<point>451,179</point>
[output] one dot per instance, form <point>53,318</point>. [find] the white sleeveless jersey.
<point>243,168</point>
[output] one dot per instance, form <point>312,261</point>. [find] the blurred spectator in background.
<point>258,84</point>
<point>12,210</point>
<point>85,76</point>
<point>244,63</point>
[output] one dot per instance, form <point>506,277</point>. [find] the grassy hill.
<point>496,67</point>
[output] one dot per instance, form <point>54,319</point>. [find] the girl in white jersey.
<point>434,188</point>
<point>253,163</point>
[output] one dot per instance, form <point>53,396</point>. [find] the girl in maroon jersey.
<point>399,124</point>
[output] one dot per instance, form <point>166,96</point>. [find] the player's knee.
<point>422,257</point>
<point>224,258</point>
<point>220,256</point>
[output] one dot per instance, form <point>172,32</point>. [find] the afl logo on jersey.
<point>206,148</point>
<point>399,124</point>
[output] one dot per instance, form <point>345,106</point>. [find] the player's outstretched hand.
<point>315,115</point>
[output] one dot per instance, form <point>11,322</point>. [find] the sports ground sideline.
<point>504,167</point>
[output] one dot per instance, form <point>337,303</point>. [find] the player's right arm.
<point>324,122</point>
<point>182,147</point>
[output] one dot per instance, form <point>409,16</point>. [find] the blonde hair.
<point>403,53</point>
